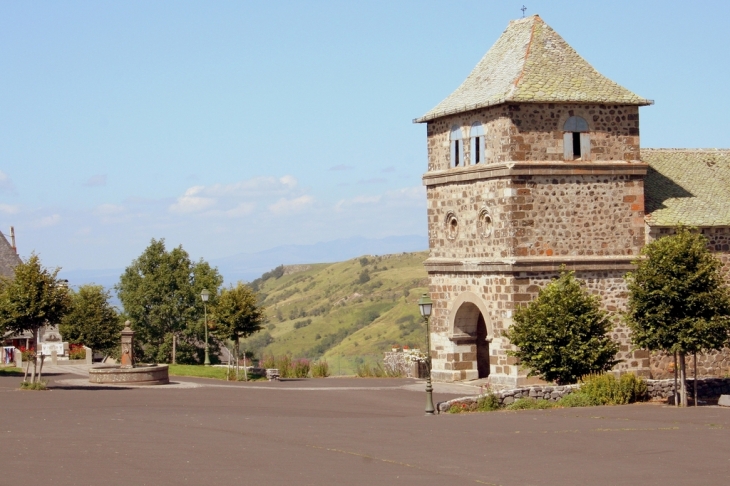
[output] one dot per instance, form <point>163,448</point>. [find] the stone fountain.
<point>128,372</point>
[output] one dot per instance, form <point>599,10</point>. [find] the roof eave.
<point>464,109</point>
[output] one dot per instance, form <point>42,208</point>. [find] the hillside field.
<point>348,312</point>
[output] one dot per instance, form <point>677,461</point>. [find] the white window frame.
<point>476,136</point>
<point>456,138</point>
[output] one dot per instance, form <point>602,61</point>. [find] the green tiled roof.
<point>531,63</point>
<point>687,186</point>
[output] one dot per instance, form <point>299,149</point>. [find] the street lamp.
<point>204,295</point>
<point>425,305</point>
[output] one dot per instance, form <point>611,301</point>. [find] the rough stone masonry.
<point>535,163</point>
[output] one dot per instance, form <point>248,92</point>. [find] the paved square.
<point>341,431</point>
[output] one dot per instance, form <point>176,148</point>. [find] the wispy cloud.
<point>47,221</point>
<point>108,209</point>
<point>374,180</point>
<point>96,180</point>
<point>9,209</point>
<point>407,196</point>
<point>240,198</point>
<point>291,205</point>
<point>388,169</point>
<point>6,183</point>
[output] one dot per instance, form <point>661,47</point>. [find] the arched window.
<point>477,143</point>
<point>576,141</point>
<point>457,152</point>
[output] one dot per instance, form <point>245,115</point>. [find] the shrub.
<point>605,389</point>
<point>575,399</point>
<point>37,386</point>
<point>76,351</point>
<point>320,369</point>
<point>461,407</point>
<point>268,362</point>
<point>563,334</point>
<point>488,403</point>
<point>285,366</point>
<point>531,404</point>
<point>301,368</point>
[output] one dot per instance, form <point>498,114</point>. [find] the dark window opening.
<point>457,156</point>
<point>576,145</point>
<point>477,145</point>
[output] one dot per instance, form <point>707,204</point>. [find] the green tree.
<point>237,314</point>
<point>92,321</point>
<point>678,300</point>
<point>563,334</point>
<point>160,292</point>
<point>35,296</point>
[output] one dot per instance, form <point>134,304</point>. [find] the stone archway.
<point>469,325</point>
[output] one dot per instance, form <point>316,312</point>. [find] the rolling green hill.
<point>347,312</point>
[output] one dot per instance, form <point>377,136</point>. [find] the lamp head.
<point>424,305</point>
<point>204,295</point>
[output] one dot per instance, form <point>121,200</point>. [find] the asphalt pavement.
<point>340,431</point>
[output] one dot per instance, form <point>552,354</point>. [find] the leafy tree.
<point>678,301</point>
<point>35,296</point>
<point>160,292</point>
<point>92,321</point>
<point>237,314</point>
<point>563,334</point>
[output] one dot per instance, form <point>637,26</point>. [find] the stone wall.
<point>533,132</point>
<point>708,388</point>
<point>537,216</point>
<point>500,295</point>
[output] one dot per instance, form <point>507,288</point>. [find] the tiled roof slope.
<point>531,63</point>
<point>8,258</point>
<point>687,186</point>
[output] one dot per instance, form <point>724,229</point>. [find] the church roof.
<point>8,258</point>
<point>687,187</point>
<point>531,63</point>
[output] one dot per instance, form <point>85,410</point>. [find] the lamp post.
<point>204,295</point>
<point>425,305</point>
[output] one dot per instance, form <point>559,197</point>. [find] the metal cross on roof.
<point>523,11</point>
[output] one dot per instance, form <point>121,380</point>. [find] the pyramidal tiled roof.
<point>687,186</point>
<point>8,258</point>
<point>531,63</point>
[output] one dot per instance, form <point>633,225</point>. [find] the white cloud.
<point>96,180</point>
<point>291,205</point>
<point>9,209</point>
<point>407,196</point>
<point>6,183</point>
<point>191,202</point>
<point>108,209</point>
<point>240,198</point>
<point>46,221</point>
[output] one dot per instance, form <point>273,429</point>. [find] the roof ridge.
<point>527,54</point>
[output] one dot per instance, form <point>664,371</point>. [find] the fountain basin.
<point>141,374</point>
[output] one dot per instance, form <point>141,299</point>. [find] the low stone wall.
<point>656,390</point>
<point>505,397</point>
<point>706,388</point>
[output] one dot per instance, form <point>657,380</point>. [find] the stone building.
<point>535,162</point>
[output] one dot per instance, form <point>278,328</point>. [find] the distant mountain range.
<point>248,266</point>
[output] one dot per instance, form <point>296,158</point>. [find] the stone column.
<point>127,346</point>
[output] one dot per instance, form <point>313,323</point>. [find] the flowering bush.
<point>76,351</point>
<point>27,353</point>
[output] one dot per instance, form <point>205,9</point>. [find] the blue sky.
<point>233,127</point>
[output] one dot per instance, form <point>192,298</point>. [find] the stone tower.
<point>533,163</point>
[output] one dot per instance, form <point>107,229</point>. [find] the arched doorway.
<point>482,348</point>
<point>470,326</point>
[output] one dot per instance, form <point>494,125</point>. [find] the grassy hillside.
<point>348,312</point>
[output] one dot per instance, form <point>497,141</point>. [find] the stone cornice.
<point>530,264</point>
<point>544,168</point>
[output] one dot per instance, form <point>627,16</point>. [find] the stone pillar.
<point>127,346</point>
